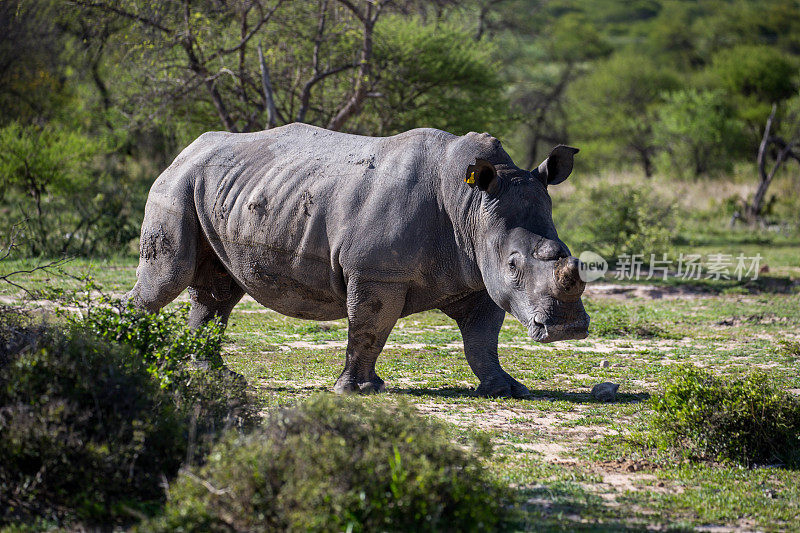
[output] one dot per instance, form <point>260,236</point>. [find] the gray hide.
<point>323,225</point>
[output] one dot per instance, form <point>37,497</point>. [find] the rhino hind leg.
<point>373,309</point>
<point>167,258</point>
<point>213,292</point>
<point>480,320</point>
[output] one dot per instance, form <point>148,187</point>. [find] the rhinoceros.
<point>322,225</point>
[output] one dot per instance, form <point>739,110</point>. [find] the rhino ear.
<point>558,165</point>
<point>481,175</point>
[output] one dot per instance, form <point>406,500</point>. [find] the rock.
<point>604,364</point>
<point>605,392</point>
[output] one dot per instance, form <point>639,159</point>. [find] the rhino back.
<point>294,212</point>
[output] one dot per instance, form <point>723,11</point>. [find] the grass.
<point>565,454</point>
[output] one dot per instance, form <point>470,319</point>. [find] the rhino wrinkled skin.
<point>322,225</point>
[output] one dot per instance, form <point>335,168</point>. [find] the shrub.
<point>336,464</point>
<point>186,362</point>
<point>16,332</point>
<point>57,180</point>
<point>789,349</point>
<point>84,431</point>
<point>94,417</point>
<point>747,420</point>
<point>162,340</point>
<point>613,220</point>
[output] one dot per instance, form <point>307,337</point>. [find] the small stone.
<point>604,363</point>
<point>605,392</point>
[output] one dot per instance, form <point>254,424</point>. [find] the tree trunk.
<point>647,162</point>
<point>269,99</point>
<point>754,210</point>
<point>356,101</point>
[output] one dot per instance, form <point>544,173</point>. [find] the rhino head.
<point>526,268</point>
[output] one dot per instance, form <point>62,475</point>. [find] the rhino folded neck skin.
<point>526,269</point>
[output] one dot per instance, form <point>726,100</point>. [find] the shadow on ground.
<point>537,394</point>
<point>307,389</point>
<point>568,507</point>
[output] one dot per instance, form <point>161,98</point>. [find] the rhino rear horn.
<point>558,165</point>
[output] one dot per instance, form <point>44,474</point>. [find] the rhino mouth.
<point>542,330</point>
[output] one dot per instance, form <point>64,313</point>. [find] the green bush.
<point>94,416</point>
<point>748,420</point>
<point>616,219</point>
<point>186,362</point>
<point>335,464</point>
<point>57,182</point>
<point>84,431</point>
<point>162,340</point>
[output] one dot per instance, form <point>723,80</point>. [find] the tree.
<point>254,64</point>
<point>696,130</point>
<point>539,94</point>
<point>32,79</point>
<point>781,143</point>
<point>187,47</point>
<point>755,77</point>
<point>432,75</point>
<point>613,109</point>
<point>47,175</point>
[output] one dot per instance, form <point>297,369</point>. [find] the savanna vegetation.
<point>687,115</point>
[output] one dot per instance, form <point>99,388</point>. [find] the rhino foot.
<point>349,385</point>
<point>502,386</point>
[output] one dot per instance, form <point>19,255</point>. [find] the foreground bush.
<point>748,420</point>
<point>186,362</point>
<point>84,431</point>
<point>334,464</point>
<point>95,416</point>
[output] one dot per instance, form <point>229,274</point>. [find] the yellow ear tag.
<point>471,179</point>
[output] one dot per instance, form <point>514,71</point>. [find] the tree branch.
<point>305,96</point>
<point>121,12</point>
<point>355,103</point>
<point>45,267</point>
<point>357,12</point>
<point>250,35</point>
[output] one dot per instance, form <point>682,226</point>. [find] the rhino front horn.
<point>568,280</point>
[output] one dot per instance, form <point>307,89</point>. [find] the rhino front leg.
<point>373,309</point>
<point>480,320</point>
